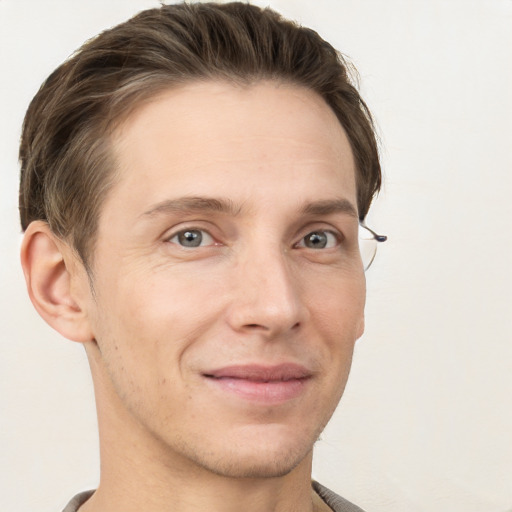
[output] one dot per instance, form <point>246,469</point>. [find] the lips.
<point>282,372</point>
<point>268,384</point>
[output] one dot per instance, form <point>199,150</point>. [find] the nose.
<point>267,296</point>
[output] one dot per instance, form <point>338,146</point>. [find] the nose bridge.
<point>268,294</point>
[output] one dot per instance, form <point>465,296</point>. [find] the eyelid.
<point>175,232</point>
<point>334,232</point>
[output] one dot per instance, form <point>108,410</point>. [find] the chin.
<point>262,465</point>
<point>255,454</point>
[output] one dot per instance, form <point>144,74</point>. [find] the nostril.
<point>259,326</point>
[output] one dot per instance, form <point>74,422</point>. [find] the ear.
<point>57,282</point>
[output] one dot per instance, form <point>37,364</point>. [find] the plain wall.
<point>426,420</point>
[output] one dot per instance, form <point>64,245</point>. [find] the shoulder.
<point>78,501</point>
<point>335,502</point>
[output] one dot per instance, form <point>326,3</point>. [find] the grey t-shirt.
<point>335,502</point>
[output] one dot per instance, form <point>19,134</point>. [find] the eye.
<point>192,238</point>
<point>319,240</point>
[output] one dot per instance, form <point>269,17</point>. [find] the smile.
<point>258,383</point>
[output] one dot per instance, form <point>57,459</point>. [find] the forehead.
<point>246,140</point>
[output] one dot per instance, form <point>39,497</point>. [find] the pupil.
<point>191,238</point>
<point>316,240</point>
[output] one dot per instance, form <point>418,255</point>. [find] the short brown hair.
<point>66,167</point>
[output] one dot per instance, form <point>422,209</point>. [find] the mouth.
<point>260,383</point>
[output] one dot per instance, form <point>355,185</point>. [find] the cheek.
<point>338,307</point>
<point>337,317</point>
<point>153,316</point>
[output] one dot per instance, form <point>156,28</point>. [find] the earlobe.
<point>48,271</point>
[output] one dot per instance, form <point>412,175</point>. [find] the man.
<point>193,183</point>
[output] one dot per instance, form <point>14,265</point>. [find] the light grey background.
<point>426,421</point>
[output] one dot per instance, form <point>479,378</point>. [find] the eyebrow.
<point>330,206</point>
<point>221,205</point>
<point>193,204</point>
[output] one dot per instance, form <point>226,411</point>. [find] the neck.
<point>132,480</point>
<point>130,491</point>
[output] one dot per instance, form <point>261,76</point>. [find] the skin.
<point>278,166</point>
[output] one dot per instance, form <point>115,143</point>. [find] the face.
<point>229,289</point>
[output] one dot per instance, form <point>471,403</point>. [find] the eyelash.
<point>336,236</point>
<point>191,230</point>
<point>300,244</point>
